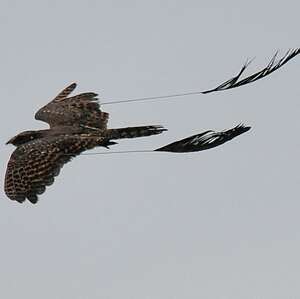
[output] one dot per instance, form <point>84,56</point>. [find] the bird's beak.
<point>9,141</point>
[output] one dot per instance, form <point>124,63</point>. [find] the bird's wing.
<point>34,165</point>
<point>82,109</point>
<point>203,141</point>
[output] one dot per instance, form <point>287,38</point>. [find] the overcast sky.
<point>223,223</point>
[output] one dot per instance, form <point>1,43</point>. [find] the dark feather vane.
<point>204,141</point>
<point>270,68</point>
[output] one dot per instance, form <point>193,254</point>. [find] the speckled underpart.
<point>34,165</point>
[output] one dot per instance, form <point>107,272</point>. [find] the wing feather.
<point>64,93</point>
<point>82,109</point>
<point>34,165</point>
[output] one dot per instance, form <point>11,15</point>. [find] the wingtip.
<point>73,85</point>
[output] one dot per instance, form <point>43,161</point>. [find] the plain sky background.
<point>223,223</point>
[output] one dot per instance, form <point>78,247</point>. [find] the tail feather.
<point>133,132</point>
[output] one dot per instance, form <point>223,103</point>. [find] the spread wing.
<point>34,165</point>
<point>82,109</point>
<point>203,141</point>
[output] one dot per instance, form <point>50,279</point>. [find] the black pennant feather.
<point>204,141</point>
<point>270,68</point>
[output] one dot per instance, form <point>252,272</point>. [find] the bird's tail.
<point>133,132</point>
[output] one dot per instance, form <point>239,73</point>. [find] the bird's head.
<point>24,137</point>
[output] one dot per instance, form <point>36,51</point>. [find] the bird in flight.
<point>77,124</point>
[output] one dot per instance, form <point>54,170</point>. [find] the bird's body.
<point>76,124</point>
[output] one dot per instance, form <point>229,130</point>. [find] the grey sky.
<point>217,224</point>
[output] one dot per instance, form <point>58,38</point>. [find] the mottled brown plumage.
<point>82,109</point>
<point>76,124</point>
